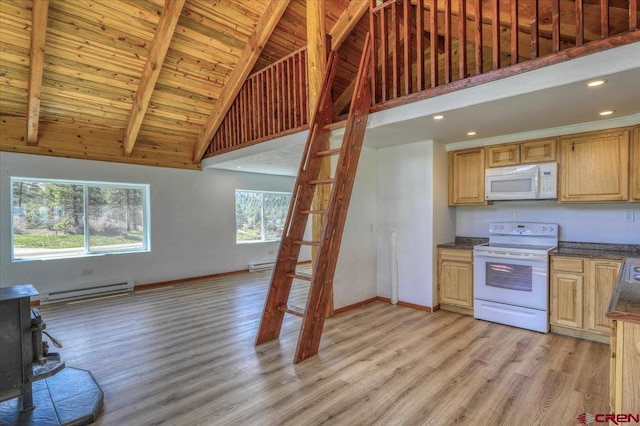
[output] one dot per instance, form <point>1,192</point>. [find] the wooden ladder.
<point>315,152</point>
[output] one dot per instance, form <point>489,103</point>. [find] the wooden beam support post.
<point>151,71</point>
<point>247,60</point>
<point>36,66</point>
<point>316,64</point>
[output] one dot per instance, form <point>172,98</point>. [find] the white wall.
<point>355,278</point>
<point>408,184</point>
<point>192,223</point>
<point>578,222</point>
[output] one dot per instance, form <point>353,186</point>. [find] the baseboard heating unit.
<point>261,265</point>
<point>88,290</point>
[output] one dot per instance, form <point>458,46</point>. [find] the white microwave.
<point>523,182</point>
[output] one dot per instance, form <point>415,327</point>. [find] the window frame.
<point>263,238</point>
<point>86,184</point>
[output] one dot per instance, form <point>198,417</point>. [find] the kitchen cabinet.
<point>512,154</point>
<point>539,151</point>
<point>455,280</point>
<point>624,367</point>
<point>466,177</point>
<point>567,292</point>
<point>594,167</point>
<point>635,165</point>
<point>580,292</point>
<point>503,155</point>
<point>602,280</point>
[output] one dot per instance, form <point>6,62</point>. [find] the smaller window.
<point>260,215</point>
<point>61,219</point>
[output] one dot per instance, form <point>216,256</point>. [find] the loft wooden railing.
<point>272,102</point>
<point>424,48</point>
<point>424,45</point>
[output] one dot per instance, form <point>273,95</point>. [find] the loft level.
<point>425,48</point>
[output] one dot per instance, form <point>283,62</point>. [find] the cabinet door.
<point>544,150</point>
<point>503,155</point>
<point>456,283</point>
<point>567,299</point>
<point>466,177</point>
<point>595,167</point>
<point>635,165</point>
<point>602,280</point>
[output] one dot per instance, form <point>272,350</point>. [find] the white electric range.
<point>510,274</point>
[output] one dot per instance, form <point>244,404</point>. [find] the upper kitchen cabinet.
<point>539,151</point>
<point>503,155</point>
<point>512,154</point>
<point>594,167</point>
<point>635,165</point>
<point>466,177</point>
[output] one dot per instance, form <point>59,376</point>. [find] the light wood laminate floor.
<point>184,355</point>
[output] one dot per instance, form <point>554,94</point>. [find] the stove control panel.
<point>524,228</point>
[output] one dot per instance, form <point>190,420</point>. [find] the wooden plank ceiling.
<point>148,81</point>
<point>136,81</point>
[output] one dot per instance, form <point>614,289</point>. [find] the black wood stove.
<point>35,386</point>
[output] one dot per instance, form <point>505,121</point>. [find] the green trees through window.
<point>260,216</point>
<point>70,218</point>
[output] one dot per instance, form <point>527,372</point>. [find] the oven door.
<point>511,278</point>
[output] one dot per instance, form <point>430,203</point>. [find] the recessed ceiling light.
<point>238,167</point>
<point>609,112</point>
<point>438,117</point>
<point>596,83</point>
<point>472,133</point>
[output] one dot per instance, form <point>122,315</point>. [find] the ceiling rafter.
<point>247,60</point>
<point>347,22</point>
<point>36,67</point>
<point>151,72</point>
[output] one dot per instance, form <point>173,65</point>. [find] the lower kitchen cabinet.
<point>455,280</point>
<point>624,372</point>
<point>580,290</point>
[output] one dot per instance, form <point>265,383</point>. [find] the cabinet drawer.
<point>569,264</point>
<point>456,255</point>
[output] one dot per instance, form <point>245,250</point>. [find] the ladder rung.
<point>329,152</point>
<point>314,212</point>
<point>322,181</point>
<point>300,276</point>
<point>307,243</point>
<point>293,310</point>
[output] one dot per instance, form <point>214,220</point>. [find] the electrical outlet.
<point>629,216</point>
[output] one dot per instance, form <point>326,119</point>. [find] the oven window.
<point>511,277</point>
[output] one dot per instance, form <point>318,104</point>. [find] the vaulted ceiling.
<point>144,81</point>
<point>136,80</point>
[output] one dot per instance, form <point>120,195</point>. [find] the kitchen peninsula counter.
<point>625,300</point>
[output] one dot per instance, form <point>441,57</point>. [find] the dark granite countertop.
<point>625,300</point>
<point>565,248</point>
<point>596,250</point>
<point>464,243</point>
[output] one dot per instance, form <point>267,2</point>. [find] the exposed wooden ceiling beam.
<point>36,66</point>
<point>157,52</point>
<point>347,22</point>
<point>247,60</point>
